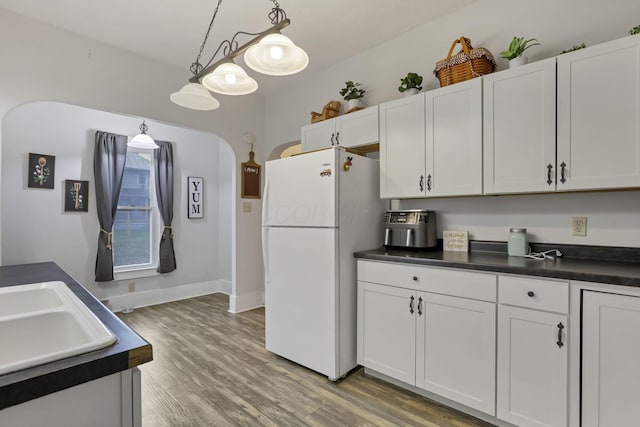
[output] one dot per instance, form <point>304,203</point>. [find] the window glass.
<point>133,222</point>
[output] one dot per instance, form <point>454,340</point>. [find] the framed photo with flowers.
<point>76,196</point>
<point>42,169</point>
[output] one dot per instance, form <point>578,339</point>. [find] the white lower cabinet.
<point>532,367</point>
<point>610,356</point>
<point>111,401</point>
<point>444,344</point>
<point>455,351</point>
<point>386,330</point>
<point>532,351</point>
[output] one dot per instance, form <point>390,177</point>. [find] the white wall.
<point>612,217</point>
<point>35,227</point>
<point>42,63</point>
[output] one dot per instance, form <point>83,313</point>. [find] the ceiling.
<point>172,31</point>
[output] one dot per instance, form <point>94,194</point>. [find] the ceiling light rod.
<point>231,50</point>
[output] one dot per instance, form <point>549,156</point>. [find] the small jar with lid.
<point>517,244</point>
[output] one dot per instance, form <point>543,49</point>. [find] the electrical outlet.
<point>132,286</point>
<point>579,226</point>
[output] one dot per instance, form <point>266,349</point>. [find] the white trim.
<point>159,296</point>
<point>135,273</point>
<point>246,302</point>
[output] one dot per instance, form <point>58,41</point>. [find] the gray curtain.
<point>163,161</point>
<point>109,158</point>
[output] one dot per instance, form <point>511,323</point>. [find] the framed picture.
<point>41,173</point>
<point>195,194</point>
<point>76,196</point>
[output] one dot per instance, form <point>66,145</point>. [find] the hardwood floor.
<point>210,368</point>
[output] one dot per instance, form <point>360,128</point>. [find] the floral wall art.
<point>41,171</point>
<point>76,196</point>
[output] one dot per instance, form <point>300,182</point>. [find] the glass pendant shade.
<point>142,140</point>
<point>194,96</point>
<point>276,55</point>
<point>229,79</point>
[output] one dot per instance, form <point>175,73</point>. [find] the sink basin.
<point>44,322</point>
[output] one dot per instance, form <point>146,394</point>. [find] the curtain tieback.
<point>164,232</point>
<point>109,238</point>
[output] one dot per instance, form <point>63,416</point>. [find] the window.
<point>135,221</point>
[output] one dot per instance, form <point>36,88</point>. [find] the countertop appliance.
<point>319,208</point>
<point>413,228</point>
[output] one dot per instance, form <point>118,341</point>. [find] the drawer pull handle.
<point>531,294</point>
<point>420,306</point>
<point>560,328</point>
<point>415,278</point>
<point>411,305</point>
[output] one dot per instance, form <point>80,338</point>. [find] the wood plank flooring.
<point>210,368</point>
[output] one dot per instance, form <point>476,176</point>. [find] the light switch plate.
<point>246,206</point>
<point>579,226</point>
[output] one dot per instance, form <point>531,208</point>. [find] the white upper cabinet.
<point>402,148</point>
<point>318,135</point>
<point>454,139</point>
<point>598,116</point>
<point>349,130</point>
<point>520,129</point>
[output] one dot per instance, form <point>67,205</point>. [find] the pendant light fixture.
<point>142,140</point>
<point>268,52</point>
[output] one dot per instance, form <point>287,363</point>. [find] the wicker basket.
<point>468,63</point>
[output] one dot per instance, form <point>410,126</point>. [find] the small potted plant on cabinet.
<point>516,48</point>
<point>410,85</point>
<point>353,94</point>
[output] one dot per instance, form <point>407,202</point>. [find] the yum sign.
<point>195,203</point>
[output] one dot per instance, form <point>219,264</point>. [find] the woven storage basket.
<point>468,63</point>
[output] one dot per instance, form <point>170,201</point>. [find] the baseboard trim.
<point>245,302</point>
<point>159,296</point>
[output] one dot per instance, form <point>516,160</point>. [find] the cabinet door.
<point>402,148</point>
<point>358,128</point>
<point>455,357</point>
<point>598,116</point>
<point>532,367</point>
<point>520,129</point>
<point>610,355</point>
<point>386,330</point>
<point>454,139</point>
<point>318,135</point>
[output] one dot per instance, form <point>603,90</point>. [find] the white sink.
<point>43,322</point>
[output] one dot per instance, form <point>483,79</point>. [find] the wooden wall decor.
<point>250,178</point>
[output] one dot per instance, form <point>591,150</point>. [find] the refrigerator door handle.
<point>265,204</point>
<point>265,257</point>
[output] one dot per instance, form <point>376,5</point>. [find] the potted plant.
<point>516,48</point>
<point>410,85</point>
<point>353,94</point>
<point>634,30</point>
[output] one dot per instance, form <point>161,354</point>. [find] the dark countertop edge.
<point>129,351</point>
<point>588,270</point>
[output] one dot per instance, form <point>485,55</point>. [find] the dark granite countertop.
<point>129,351</point>
<point>575,265</point>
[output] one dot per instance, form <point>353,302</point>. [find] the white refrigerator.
<point>319,208</point>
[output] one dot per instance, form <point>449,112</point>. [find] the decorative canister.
<point>517,244</point>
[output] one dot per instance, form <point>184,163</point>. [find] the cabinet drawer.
<point>539,294</point>
<point>446,281</point>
